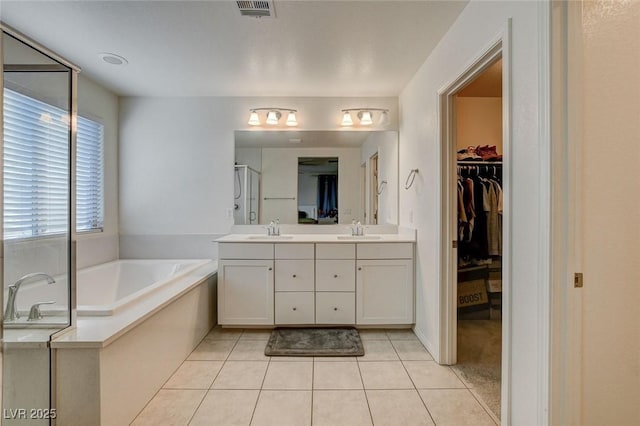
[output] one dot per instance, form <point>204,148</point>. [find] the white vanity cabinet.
<point>384,284</point>
<point>245,284</point>
<point>316,282</point>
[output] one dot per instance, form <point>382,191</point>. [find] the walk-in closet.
<point>478,135</point>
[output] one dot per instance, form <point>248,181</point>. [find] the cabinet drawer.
<point>335,308</point>
<point>335,251</point>
<point>294,275</point>
<point>335,275</point>
<point>245,251</point>
<point>385,251</point>
<point>294,251</point>
<point>294,308</point>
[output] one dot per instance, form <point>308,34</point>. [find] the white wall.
<point>386,145</point>
<point>611,213</point>
<point>474,30</point>
<point>176,161</point>
<point>479,122</point>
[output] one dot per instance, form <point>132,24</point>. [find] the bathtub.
<point>105,289</point>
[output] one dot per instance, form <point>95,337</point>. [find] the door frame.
<point>500,46</point>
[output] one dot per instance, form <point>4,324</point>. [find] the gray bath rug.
<point>314,342</point>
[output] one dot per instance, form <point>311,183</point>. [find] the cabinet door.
<point>245,292</point>
<point>295,308</point>
<point>335,308</point>
<point>335,275</point>
<point>384,292</point>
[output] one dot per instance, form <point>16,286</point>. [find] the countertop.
<point>318,238</point>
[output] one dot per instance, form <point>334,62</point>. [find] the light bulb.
<point>272,117</point>
<point>346,119</point>
<point>254,120</point>
<point>291,119</point>
<point>365,118</point>
<point>384,119</point>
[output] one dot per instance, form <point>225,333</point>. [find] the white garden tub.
<point>104,289</point>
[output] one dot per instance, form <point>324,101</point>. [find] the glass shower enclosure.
<point>38,267</point>
<point>246,195</point>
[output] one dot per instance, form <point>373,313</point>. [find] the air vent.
<point>257,9</point>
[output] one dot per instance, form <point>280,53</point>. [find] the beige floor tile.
<point>219,333</point>
<point>194,375</point>
<point>226,408</point>
<point>340,408</point>
<point>335,359</point>
<point>291,358</point>
<point>455,407</point>
<point>411,350</point>
<point>249,350</point>
<point>212,350</point>
<point>283,408</point>
<point>336,375</point>
<point>378,350</point>
<point>241,375</point>
<point>384,375</point>
<point>170,407</point>
<point>256,335</point>
<point>373,334</point>
<point>397,407</point>
<point>401,334</point>
<point>431,375</point>
<point>289,376</point>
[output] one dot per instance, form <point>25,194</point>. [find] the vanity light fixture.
<point>365,116</point>
<point>273,116</point>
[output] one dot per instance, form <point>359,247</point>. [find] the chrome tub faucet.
<point>11,311</point>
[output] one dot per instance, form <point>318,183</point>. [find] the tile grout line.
<point>484,406</point>
<point>413,383</point>
<point>313,376</point>
<point>214,379</point>
<point>366,397</point>
<point>260,390</point>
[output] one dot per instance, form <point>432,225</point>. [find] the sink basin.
<point>359,237</point>
<point>269,237</point>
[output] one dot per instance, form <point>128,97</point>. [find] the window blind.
<point>36,169</point>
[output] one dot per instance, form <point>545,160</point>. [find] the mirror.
<point>274,177</point>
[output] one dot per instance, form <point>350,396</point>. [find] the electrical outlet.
<point>229,213</point>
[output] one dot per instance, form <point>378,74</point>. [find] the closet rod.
<point>479,163</point>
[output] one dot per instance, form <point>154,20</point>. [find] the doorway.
<point>475,141</point>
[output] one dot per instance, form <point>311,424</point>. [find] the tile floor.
<point>228,380</point>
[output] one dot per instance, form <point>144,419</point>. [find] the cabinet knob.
<point>360,268</point>
<point>294,275</point>
<point>335,309</point>
<point>271,269</point>
<point>295,309</point>
<point>335,276</point>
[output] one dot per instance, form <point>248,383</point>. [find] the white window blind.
<point>36,169</point>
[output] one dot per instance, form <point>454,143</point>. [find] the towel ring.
<point>381,187</point>
<point>412,176</point>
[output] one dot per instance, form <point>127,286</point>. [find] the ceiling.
<point>206,48</point>
<point>308,139</point>
<point>486,85</point>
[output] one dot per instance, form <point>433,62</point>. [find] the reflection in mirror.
<point>277,188</point>
<point>318,190</point>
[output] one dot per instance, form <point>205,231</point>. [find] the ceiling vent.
<point>257,8</point>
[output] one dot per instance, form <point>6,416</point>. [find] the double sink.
<point>290,237</point>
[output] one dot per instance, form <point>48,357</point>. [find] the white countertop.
<point>99,331</point>
<point>318,238</point>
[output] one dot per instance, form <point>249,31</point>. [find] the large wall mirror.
<point>316,177</point>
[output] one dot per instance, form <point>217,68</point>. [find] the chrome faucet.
<point>11,311</point>
<point>357,229</point>
<point>274,228</point>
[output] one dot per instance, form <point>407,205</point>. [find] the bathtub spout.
<point>11,311</point>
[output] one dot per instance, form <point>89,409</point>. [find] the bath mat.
<point>314,342</point>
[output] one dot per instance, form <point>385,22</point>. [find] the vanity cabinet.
<point>316,283</point>
<point>384,284</point>
<point>246,284</point>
